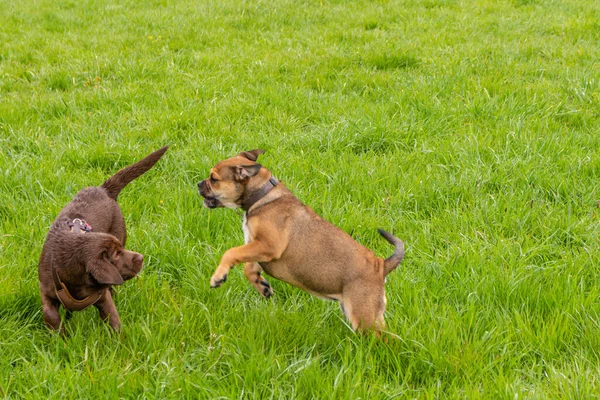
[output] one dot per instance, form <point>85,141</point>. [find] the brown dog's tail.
<point>390,263</point>
<point>118,181</point>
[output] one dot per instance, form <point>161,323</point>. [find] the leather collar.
<point>67,300</point>
<point>262,192</point>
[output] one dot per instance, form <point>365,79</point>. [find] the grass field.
<point>470,129</point>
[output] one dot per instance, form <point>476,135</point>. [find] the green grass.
<point>470,129</point>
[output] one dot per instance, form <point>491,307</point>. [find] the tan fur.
<point>288,241</point>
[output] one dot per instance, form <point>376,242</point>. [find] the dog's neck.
<point>259,194</point>
<point>62,292</point>
<point>67,299</point>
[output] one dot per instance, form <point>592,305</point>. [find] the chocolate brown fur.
<point>288,241</point>
<point>92,262</point>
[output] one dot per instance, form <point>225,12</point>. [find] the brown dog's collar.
<point>79,226</point>
<point>67,300</point>
<point>262,192</point>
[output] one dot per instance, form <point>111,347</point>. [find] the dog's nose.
<point>138,263</point>
<point>202,188</point>
<point>138,259</point>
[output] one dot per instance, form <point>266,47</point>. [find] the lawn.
<point>470,129</point>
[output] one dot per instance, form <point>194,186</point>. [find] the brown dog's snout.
<point>138,260</point>
<point>133,267</point>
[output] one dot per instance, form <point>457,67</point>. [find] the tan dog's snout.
<point>210,201</point>
<point>204,189</point>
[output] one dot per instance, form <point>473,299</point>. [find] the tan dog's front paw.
<point>217,280</point>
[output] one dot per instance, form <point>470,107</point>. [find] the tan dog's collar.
<point>67,300</point>
<point>262,192</point>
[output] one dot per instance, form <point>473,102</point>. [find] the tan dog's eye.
<point>213,180</point>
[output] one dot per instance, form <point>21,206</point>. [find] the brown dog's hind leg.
<point>253,272</point>
<point>108,311</point>
<point>51,316</point>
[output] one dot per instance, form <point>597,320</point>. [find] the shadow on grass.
<point>24,309</point>
<point>392,61</point>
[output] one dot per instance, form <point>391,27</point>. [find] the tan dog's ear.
<point>243,172</point>
<point>252,155</point>
<point>103,271</point>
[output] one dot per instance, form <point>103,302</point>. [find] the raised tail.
<point>390,263</point>
<point>118,181</point>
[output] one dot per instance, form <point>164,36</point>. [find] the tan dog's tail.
<point>390,263</point>
<point>118,181</point>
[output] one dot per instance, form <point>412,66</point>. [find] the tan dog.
<point>84,255</point>
<point>288,241</point>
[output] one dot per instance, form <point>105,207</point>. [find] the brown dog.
<point>288,241</point>
<point>83,255</point>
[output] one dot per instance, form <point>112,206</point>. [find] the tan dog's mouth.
<point>212,202</point>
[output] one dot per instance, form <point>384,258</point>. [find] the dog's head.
<point>229,179</point>
<point>108,263</point>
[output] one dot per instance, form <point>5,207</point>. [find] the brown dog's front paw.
<point>215,281</point>
<point>267,290</point>
<point>116,327</point>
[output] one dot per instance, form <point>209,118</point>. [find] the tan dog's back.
<point>325,251</point>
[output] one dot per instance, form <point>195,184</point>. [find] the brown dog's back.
<point>118,181</point>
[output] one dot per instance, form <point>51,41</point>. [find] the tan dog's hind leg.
<point>253,272</point>
<point>364,307</point>
<point>256,251</point>
<point>108,311</point>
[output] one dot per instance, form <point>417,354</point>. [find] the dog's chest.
<point>246,230</point>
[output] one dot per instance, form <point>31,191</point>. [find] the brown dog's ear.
<point>252,155</point>
<point>104,272</point>
<point>243,172</point>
